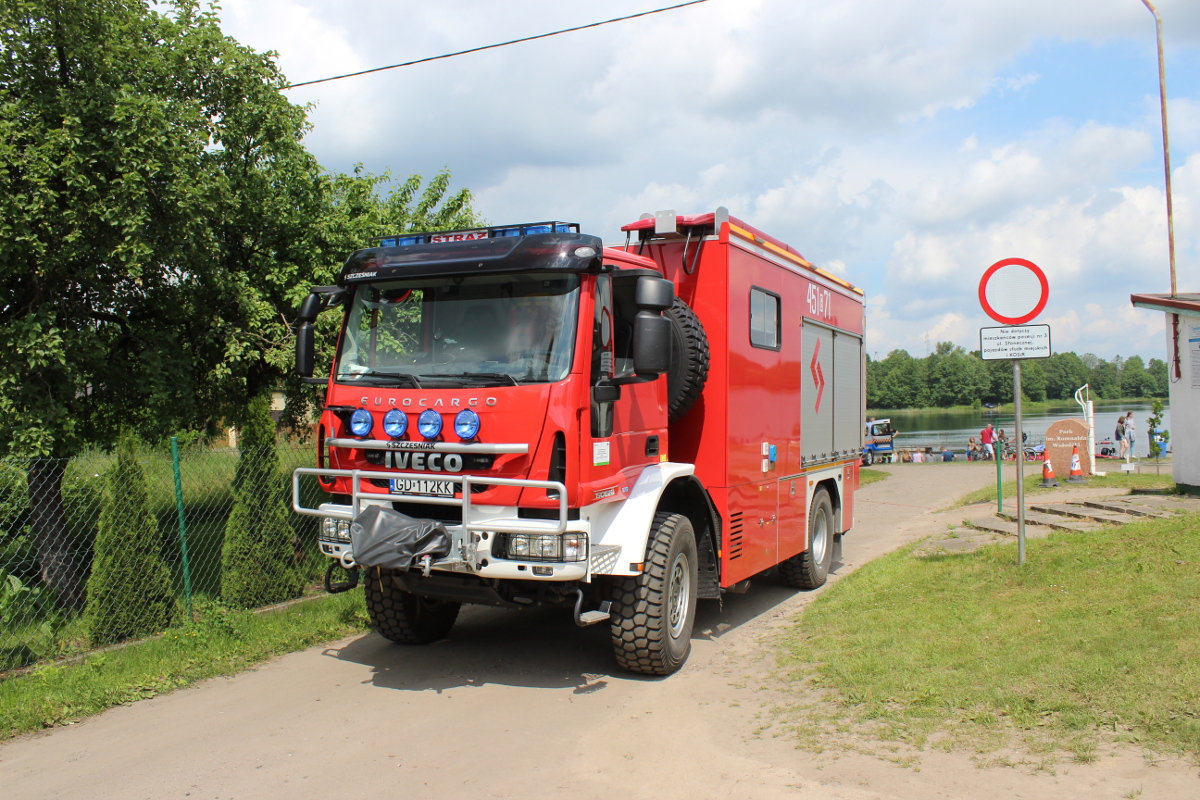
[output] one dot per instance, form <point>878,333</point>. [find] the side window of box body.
<point>765,319</point>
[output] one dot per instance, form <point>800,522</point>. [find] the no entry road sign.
<point>1013,291</point>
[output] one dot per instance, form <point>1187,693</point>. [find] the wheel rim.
<point>678,595</point>
<point>820,535</point>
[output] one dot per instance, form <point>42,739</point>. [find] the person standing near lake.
<point>986,437</point>
<point>1119,436</point>
<point>1129,437</point>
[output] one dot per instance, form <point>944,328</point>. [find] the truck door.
<point>628,433</point>
<point>758,435</point>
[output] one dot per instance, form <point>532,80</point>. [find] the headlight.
<point>538,547</point>
<point>361,422</point>
<point>395,423</point>
<point>335,530</point>
<point>574,548</point>
<point>429,423</point>
<point>466,424</point>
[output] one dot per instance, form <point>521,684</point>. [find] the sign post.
<point>1013,291</point>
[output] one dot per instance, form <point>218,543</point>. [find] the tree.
<point>900,382</point>
<point>1159,379</point>
<point>129,592</point>
<point>1134,380</point>
<point>1000,382</point>
<point>1065,373</point>
<point>955,377</point>
<point>123,137</point>
<point>1105,379</point>
<point>160,220</point>
<point>1033,379</point>
<point>258,556</point>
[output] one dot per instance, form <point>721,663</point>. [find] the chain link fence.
<point>52,513</point>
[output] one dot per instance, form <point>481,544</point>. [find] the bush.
<point>129,592</point>
<point>258,558</point>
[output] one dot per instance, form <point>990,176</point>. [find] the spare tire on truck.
<point>689,360</point>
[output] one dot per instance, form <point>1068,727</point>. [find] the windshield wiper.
<point>504,378</point>
<point>391,376</point>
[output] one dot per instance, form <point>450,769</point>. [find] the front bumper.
<point>483,528</point>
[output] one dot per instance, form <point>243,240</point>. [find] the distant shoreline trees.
<point>952,376</point>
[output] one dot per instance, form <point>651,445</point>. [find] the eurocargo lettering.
<point>519,415</point>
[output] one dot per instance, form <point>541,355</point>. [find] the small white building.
<point>1182,312</point>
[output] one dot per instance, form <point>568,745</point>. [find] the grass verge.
<point>219,641</point>
<point>1093,640</point>
<point>1033,485</point>
<point>866,475</point>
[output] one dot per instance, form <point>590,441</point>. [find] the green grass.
<point>1033,485</point>
<point>220,642</point>
<point>1094,639</point>
<point>867,475</point>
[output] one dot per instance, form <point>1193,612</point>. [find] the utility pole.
<point>1162,94</point>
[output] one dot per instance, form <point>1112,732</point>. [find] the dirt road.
<point>524,704</point>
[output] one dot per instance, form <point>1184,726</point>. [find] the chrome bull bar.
<point>473,519</point>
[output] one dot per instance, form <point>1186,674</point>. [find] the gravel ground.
<point>523,703</point>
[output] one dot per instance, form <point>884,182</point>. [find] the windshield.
<point>460,331</point>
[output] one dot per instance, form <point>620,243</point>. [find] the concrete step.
<point>1122,506</point>
<point>1061,522</point>
<point>1008,527</point>
<point>957,540</point>
<point>1079,511</point>
<point>1174,503</point>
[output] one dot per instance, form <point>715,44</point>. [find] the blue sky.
<point>905,144</point>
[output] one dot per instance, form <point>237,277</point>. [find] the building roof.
<point>1170,303</point>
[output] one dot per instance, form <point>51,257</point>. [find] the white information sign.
<point>1014,341</point>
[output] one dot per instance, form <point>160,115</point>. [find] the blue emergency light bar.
<point>470,234</point>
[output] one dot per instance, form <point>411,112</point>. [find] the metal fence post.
<point>997,450</point>
<point>187,572</point>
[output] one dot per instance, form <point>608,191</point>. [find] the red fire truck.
<point>519,415</point>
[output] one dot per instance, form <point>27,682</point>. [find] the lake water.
<point>934,429</point>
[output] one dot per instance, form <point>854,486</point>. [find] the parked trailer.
<point>518,415</point>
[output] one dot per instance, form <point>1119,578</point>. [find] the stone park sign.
<point>1061,438</point>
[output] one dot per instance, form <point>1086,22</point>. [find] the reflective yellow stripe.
<point>774,248</point>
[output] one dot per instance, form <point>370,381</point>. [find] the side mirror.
<point>651,330</point>
<point>304,348</point>
<point>319,299</point>
<point>654,294</point>
<point>651,344</point>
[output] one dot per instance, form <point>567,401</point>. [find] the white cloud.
<point>905,144</point>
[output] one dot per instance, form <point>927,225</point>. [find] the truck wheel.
<point>653,613</point>
<point>868,458</point>
<point>689,360</point>
<point>404,617</point>
<point>809,569</point>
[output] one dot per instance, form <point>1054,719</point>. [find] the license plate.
<point>420,486</point>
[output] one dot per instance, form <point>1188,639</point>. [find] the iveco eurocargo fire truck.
<point>519,415</point>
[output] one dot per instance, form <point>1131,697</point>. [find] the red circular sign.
<point>1013,291</point>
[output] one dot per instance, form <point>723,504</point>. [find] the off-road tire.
<point>652,614</point>
<point>808,570</point>
<point>689,360</point>
<point>403,617</point>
